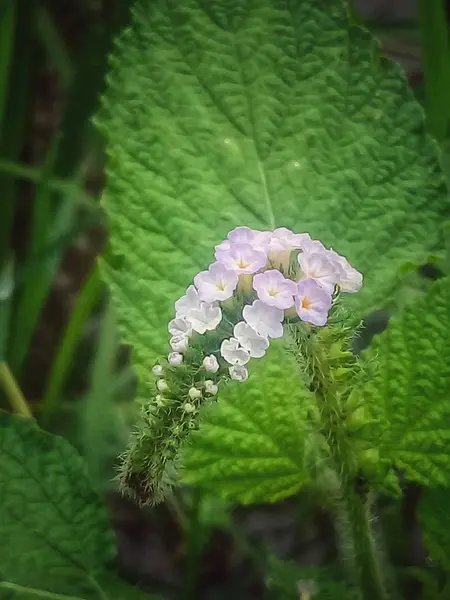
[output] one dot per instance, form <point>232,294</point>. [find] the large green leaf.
<point>250,447</point>
<point>412,387</point>
<point>257,112</point>
<point>54,533</point>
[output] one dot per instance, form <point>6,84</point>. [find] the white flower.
<point>162,386</point>
<point>284,239</point>
<point>180,326</point>
<point>242,258</point>
<point>238,373</point>
<point>274,289</point>
<point>204,318</point>
<point>179,343</point>
<point>211,387</point>
<point>233,353</point>
<point>251,341</point>
<point>188,302</point>
<point>265,320</point>
<point>318,266</point>
<point>210,364</point>
<point>350,280</point>
<point>194,393</point>
<point>175,359</point>
<point>188,407</point>
<point>158,371</point>
<point>217,283</point>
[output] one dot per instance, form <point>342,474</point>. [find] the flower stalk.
<point>329,369</point>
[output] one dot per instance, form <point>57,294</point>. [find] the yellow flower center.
<point>272,292</point>
<point>306,303</point>
<point>241,264</point>
<point>220,286</point>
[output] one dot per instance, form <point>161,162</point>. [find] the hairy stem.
<point>327,367</point>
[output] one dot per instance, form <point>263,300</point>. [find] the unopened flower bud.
<point>175,359</point>
<point>162,386</point>
<point>158,371</point>
<point>194,393</point>
<point>179,343</point>
<point>238,373</point>
<point>211,387</point>
<point>189,408</point>
<point>210,364</point>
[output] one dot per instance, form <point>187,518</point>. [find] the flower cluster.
<point>269,276</point>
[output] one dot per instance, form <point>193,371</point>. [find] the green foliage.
<point>257,113</point>
<point>285,580</point>
<point>250,446</point>
<point>411,390</point>
<point>54,533</point>
<point>435,520</point>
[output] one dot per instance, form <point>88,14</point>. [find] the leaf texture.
<point>412,388</point>
<point>250,445</point>
<point>263,113</point>
<point>55,536</point>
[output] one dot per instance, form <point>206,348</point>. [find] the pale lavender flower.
<point>259,240</point>
<point>265,320</point>
<point>251,341</point>
<point>217,283</point>
<point>180,326</point>
<point>313,246</point>
<point>350,280</point>
<point>284,239</point>
<point>242,258</point>
<point>312,302</point>
<point>210,364</point>
<point>238,373</point>
<point>317,266</point>
<point>175,359</point>
<point>274,289</point>
<point>233,352</point>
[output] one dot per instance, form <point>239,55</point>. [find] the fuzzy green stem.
<point>323,354</point>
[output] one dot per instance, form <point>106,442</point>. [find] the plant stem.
<point>358,544</point>
<point>13,392</point>
<point>436,65</point>
<point>352,510</point>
